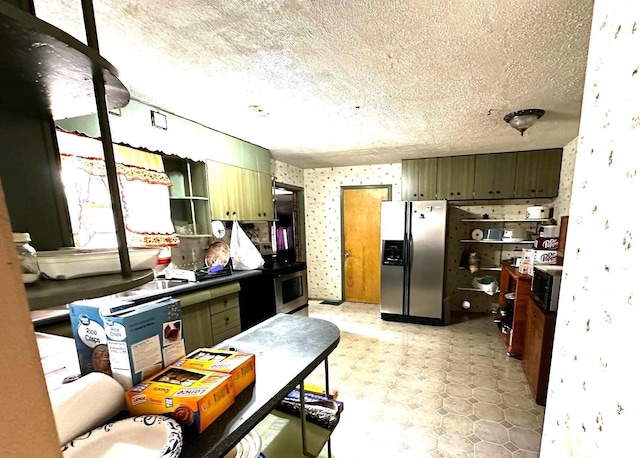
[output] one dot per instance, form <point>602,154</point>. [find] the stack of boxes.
<point>544,251</point>
<point>194,390</point>
<point>142,347</point>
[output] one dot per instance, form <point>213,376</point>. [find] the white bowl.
<point>148,436</point>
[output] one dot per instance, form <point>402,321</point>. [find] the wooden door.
<point>361,243</point>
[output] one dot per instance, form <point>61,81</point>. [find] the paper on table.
<point>84,404</point>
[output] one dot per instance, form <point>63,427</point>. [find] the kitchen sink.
<point>153,285</point>
<point>162,284</point>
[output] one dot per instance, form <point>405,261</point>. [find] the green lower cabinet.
<point>196,326</point>
<point>225,317</point>
<point>210,316</point>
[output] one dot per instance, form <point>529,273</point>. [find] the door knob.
<point>347,254</point>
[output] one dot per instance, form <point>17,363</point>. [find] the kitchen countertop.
<point>287,348</point>
<point>61,313</point>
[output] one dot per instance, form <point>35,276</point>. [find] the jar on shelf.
<point>28,257</point>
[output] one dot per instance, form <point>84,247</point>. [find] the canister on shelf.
<point>27,255</point>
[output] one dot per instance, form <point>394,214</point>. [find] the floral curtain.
<point>144,194</point>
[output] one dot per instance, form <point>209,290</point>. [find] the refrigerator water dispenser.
<point>392,252</point>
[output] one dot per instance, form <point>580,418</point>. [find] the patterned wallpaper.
<point>593,407</point>
<point>323,225</point>
<point>322,198</point>
<point>287,174</point>
<point>561,204</point>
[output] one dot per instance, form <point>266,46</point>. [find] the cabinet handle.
<point>451,194</point>
<point>415,195</point>
<point>421,195</point>
<point>490,192</point>
<point>533,190</point>
<point>497,192</point>
<point>458,193</point>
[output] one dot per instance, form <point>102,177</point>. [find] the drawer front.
<point>223,304</point>
<point>223,321</point>
<point>217,338</point>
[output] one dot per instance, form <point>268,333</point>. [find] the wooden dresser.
<point>536,359</point>
<point>511,281</point>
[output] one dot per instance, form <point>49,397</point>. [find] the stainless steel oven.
<point>291,292</point>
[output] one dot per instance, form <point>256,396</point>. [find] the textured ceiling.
<point>351,82</point>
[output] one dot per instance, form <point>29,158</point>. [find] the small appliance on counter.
<point>539,212</point>
<point>545,286</point>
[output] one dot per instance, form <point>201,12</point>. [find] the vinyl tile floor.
<point>417,391</point>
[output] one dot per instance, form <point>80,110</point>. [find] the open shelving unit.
<point>188,196</point>
<point>50,75</point>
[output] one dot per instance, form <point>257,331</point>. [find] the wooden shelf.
<point>506,220</point>
<point>501,242</point>
<point>50,71</point>
<point>49,293</point>
<point>188,198</point>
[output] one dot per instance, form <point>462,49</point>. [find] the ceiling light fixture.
<point>259,110</point>
<point>521,120</point>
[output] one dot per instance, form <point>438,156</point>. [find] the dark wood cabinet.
<point>538,173</point>
<point>536,358</point>
<point>455,177</point>
<point>525,174</point>
<point>511,281</point>
<point>495,176</point>
<point>419,179</point>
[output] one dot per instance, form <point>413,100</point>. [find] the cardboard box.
<point>539,256</point>
<point>194,398</point>
<point>525,268</point>
<point>241,366</point>
<point>127,341</point>
<point>546,243</point>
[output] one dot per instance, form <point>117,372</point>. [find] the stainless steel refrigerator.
<point>413,238</point>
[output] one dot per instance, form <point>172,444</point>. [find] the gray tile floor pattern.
<point>419,391</point>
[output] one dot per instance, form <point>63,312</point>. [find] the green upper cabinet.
<point>495,176</point>
<point>538,173</point>
<point>456,177</point>
<point>419,179</point>
<point>243,193</point>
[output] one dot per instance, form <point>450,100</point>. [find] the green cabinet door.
<point>495,176</point>
<point>265,196</point>
<point>196,326</point>
<point>538,173</point>
<point>419,179</point>
<point>549,166</point>
<point>225,190</point>
<point>455,177</point>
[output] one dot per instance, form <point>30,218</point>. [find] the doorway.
<point>361,241</point>
<point>288,228</point>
